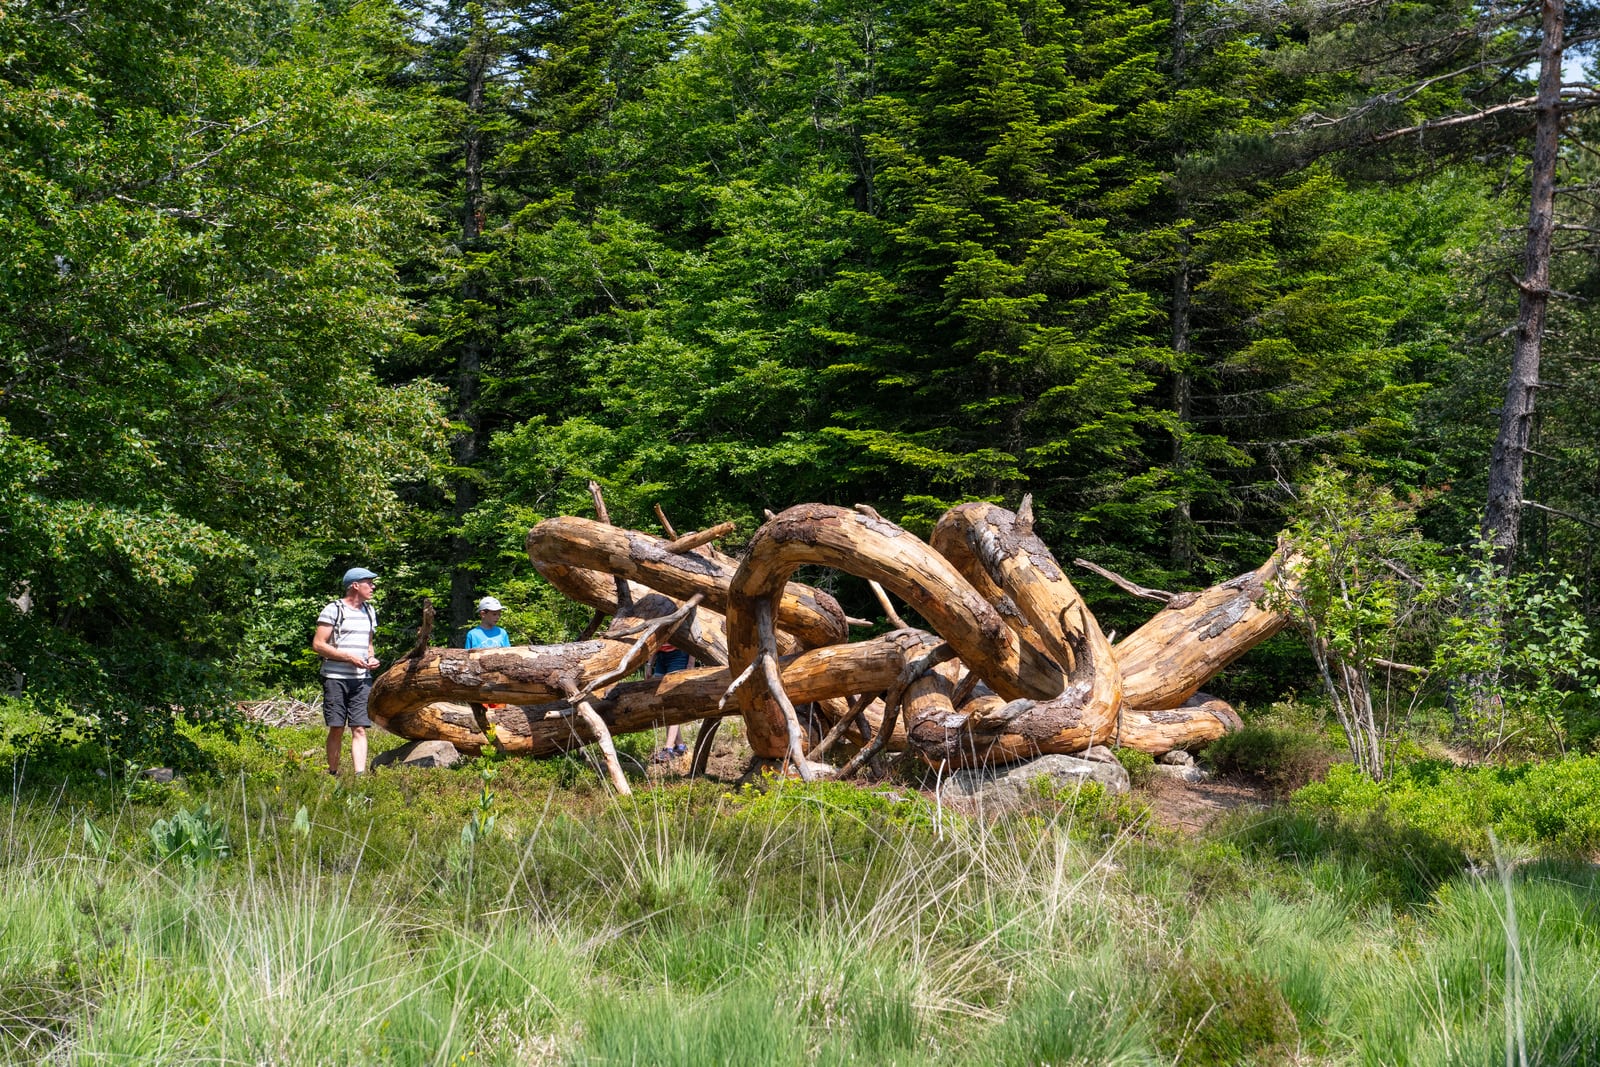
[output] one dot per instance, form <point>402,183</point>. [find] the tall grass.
<point>805,925</point>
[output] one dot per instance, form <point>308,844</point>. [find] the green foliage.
<point>201,205</point>
<point>194,838</point>
<point>1546,806</point>
<point>1282,758</point>
<point>1524,647</point>
<point>1141,766</point>
<point>1362,587</point>
<point>880,806</point>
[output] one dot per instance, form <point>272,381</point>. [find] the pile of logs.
<point>1012,665</point>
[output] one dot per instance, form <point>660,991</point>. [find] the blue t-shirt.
<point>479,637</point>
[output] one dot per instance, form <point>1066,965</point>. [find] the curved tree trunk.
<point>1016,666</point>
<point>1167,660</point>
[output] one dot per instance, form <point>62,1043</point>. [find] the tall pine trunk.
<point>465,448</point>
<point>1503,514</point>
<point>1180,545</point>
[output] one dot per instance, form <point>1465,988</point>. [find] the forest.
<point>296,286</point>
<point>293,287</point>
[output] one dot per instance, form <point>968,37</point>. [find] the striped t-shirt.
<point>353,630</point>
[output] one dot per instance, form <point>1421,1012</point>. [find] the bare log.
<point>812,616</point>
<point>988,542</point>
<point>874,549</point>
<point>704,633</point>
<point>690,542</point>
<point>1161,596</point>
<point>537,675</point>
<point>546,727</point>
<point>1167,660</point>
<point>672,535</point>
<point>1196,722</point>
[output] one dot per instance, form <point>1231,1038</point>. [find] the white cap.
<point>489,603</point>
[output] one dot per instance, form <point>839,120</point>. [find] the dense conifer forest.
<point>296,286</point>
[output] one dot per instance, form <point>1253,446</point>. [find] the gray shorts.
<point>344,701</point>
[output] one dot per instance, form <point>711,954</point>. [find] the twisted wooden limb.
<point>424,632</point>
<point>652,635</point>
<point>916,679</point>
<point>704,633</point>
<point>812,616</point>
<point>871,548</point>
<point>490,675</point>
<point>992,546</point>
<point>888,608</point>
<point>608,747</point>
<point>690,542</point>
<point>599,499</point>
<point>1196,722</point>
<point>672,535</point>
<point>702,746</point>
<point>1167,660</point>
<point>870,750</point>
<point>544,727</point>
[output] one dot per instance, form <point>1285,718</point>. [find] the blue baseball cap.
<point>357,574</point>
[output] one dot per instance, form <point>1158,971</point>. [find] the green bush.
<point>1141,766</point>
<point>1280,758</point>
<point>1554,805</point>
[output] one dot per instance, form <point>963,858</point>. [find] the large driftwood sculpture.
<point>1013,665</point>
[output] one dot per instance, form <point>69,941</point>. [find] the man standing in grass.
<point>344,639</point>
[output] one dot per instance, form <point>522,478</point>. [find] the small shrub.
<point>194,838</point>
<point>1141,766</point>
<point>893,806</point>
<point>1282,759</point>
<point>1552,805</point>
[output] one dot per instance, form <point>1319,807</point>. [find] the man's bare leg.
<point>358,748</point>
<point>335,739</point>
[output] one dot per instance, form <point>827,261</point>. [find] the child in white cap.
<point>488,633</point>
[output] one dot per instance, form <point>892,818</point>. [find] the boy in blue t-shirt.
<point>488,634</point>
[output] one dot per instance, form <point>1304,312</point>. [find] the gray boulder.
<point>1176,758</point>
<point>419,754</point>
<point>1189,773</point>
<point>1005,787</point>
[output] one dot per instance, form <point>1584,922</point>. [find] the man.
<point>344,639</point>
<point>669,658</point>
<point>488,634</point>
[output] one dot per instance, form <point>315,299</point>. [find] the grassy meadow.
<point>516,913</point>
